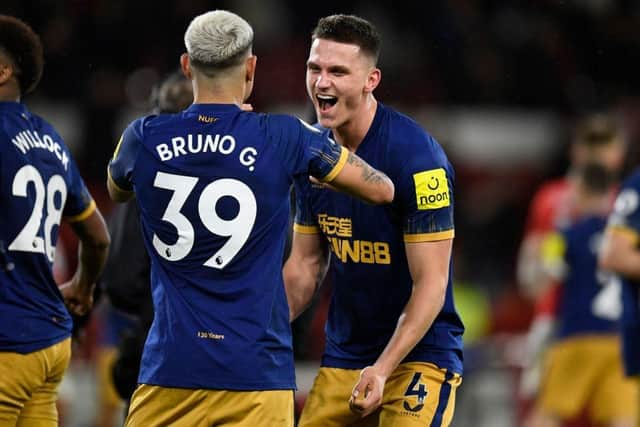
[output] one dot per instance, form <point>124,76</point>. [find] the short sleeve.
<point>425,188</point>
<point>79,204</point>
<point>124,157</point>
<point>539,217</point>
<point>307,150</point>
<point>305,222</point>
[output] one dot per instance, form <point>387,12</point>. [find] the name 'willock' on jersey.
<point>28,139</point>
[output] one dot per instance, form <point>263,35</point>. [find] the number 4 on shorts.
<point>416,389</point>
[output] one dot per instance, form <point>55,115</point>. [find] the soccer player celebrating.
<point>39,185</point>
<point>394,340</point>
<point>212,186</point>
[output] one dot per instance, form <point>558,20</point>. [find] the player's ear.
<point>6,72</point>
<point>251,68</point>
<point>373,80</point>
<point>186,66</point>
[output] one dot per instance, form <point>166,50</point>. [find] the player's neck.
<point>8,94</point>
<point>217,98</point>
<point>351,134</point>
<point>594,205</point>
<point>217,93</point>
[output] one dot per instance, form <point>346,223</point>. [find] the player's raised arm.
<point>361,180</point>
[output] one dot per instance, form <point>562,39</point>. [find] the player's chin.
<point>326,121</point>
<point>326,116</point>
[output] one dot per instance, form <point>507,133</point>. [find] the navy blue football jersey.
<point>39,184</point>
<point>369,270</point>
<point>626,218</point>
<point>212,185</point>
<point>590,302</point>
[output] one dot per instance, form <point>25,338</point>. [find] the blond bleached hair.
<point>217,40</point>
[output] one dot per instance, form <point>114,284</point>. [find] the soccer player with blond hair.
<point>212,187</point>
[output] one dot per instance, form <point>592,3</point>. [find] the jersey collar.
<point>14,106</point>
<point>213,108</point>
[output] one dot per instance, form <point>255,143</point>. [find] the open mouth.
<point>325,102</point>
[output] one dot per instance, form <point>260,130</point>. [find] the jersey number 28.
<point>27,239</point>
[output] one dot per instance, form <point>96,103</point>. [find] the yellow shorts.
<point>29,385</point>
<point>416,394</point>
<point>107,393</point>
<point>585,373</point>
<point>155,406</point>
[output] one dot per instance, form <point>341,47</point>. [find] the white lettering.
<point>26,140</point>
<point>49,143</point>
<point>196,149</point>
<point>21,142</point>
<point>57,150</point>
<point>212,143</point>
<point>204,143</point>
<point>29,138</point>
<point>37,140</point>
<point>248,157</point>
<point>65,160</point>
<point>178,145</point>
<point>230,147</point>
<point>163,152</point>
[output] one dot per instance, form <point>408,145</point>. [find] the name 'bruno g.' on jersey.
<point>27,139</point>
<point>199,143</point>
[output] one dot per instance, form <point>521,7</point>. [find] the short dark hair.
<point>596,178</point>
<point>597,129</point>
<point>24,48</point>
<point>349,29</point>
<point>172,94</point>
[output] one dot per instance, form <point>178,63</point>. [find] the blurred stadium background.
<point>498,82</point>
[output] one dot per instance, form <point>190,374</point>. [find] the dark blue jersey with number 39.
<point>39,184</point>
<point>212,184</point>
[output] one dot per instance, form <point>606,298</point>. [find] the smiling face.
<point>340,77</point>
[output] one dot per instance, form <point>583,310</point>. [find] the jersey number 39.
<point>237,229</point>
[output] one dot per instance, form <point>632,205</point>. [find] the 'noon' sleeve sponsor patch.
<point>432,189</point>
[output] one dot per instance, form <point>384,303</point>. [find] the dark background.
<point>483,76</point>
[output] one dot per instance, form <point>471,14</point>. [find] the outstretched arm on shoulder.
<point>361,180</point>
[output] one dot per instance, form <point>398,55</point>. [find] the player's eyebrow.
<point>332,68</point>
<point>339,69</point>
